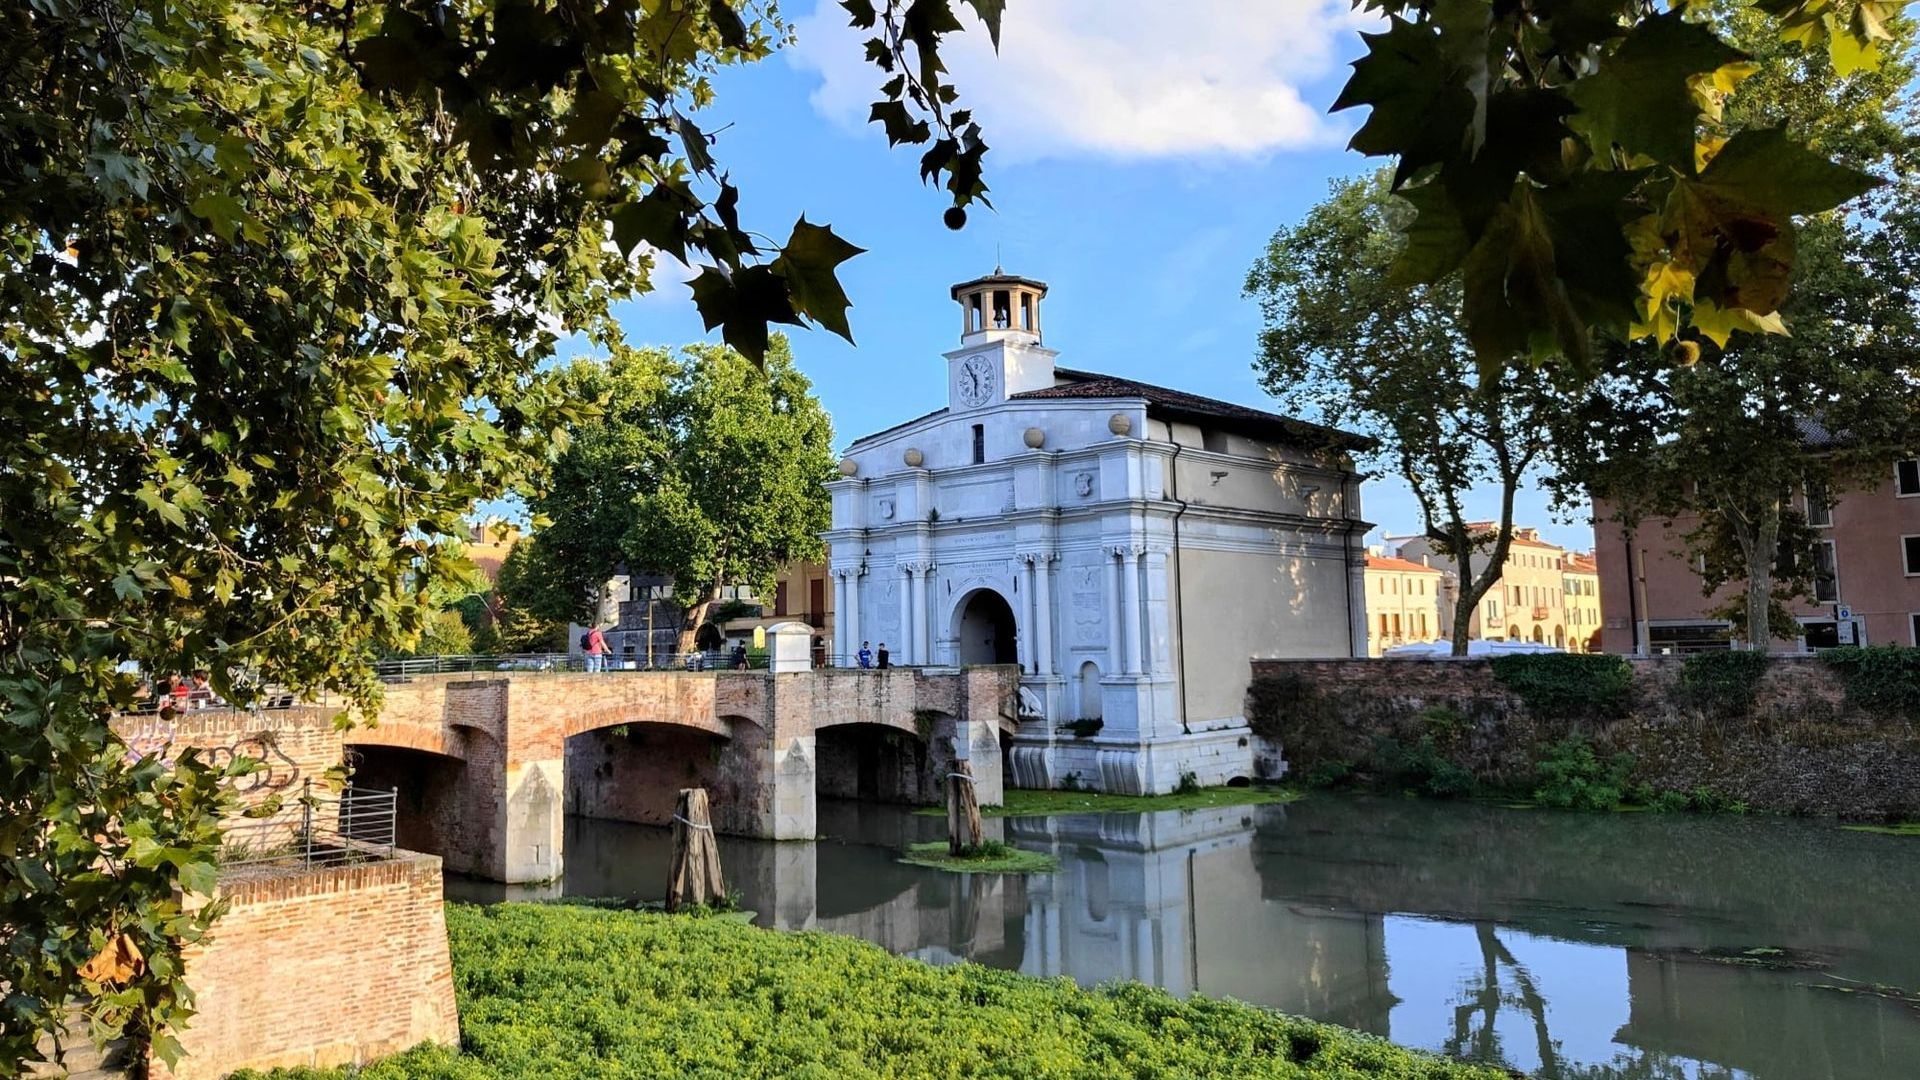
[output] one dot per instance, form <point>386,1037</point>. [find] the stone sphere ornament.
<point>914,458</point>
<point>1120,424</point>
<point>848,466</point>
<point>1035,438</point>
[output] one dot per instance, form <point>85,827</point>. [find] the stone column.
<point>839,619</point>
<point>1115,658</point>
<point>853,616</point>
<point>903,648</point>
<point>1158,638</point>
<point>1357,593</point>
<point>921,653</point>
<point>1043,600</point>
<point>1030,618</point>
<point>1130,600</point>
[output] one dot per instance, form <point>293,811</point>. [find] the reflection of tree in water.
<point>1474,1036</point>
<point>1485,998</point>
<point>1649,1065</point>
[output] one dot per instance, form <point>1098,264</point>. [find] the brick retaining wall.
<point>320,967</point>
<point>1800,749</point>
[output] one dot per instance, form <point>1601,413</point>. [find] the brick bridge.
<point>488,765</point>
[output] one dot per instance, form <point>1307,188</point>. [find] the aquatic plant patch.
<point>1023,802</point>
<point>991,857</point>
<point>555,991</point>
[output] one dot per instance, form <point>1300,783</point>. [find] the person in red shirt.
<point>596,650</point>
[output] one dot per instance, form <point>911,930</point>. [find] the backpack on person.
<point>584,639</point>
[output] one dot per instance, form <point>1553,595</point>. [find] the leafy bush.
<point>1722,683</point>
<point>1573,777</point>
<point>554,991</point>
<point>1189,784</point>
<point>1285,707</point>
<point>1568,686</point>
<point>1418,766</point>
<point>1328,774</point>
<point>1705,800</point>
<point>1883,679</point>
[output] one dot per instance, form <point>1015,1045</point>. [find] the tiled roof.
<point>1180,405</point>
<point>1403,566</point>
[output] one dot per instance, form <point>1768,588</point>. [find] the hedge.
<point>559,991</point>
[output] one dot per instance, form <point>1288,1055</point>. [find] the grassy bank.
<point>992,857</point>
<point>1021,802</point>
<point>558,991</point>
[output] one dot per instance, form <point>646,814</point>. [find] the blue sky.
<point>1142,155</point>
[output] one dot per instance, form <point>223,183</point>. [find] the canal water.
<point>1591,946</point>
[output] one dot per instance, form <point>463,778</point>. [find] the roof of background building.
<point>1403,566</point>
<point>1172,404</point>
<point>1582,564</point>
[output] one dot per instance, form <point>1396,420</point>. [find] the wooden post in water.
<point>963,809</point>
<point>694,875</point>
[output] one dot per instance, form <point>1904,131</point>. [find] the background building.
<point>1868,566</point>
<point>1546,594</point>
<point>1128,545</point>
<point>1403,603</point>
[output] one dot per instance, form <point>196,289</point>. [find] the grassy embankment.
<point>1021,802</point>
<point>554,991</point>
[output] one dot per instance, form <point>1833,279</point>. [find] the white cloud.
<point>1118,78</point>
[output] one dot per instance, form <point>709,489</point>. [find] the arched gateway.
<point>984,629</point>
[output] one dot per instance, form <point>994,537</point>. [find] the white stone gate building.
<point>1129,546</point>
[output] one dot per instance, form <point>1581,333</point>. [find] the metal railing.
<point>316,829</point>
<point>703,660</point>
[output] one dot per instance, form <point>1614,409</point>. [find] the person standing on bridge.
<point>883,658</point>
<point>596,649</point>
<point>865,656</point>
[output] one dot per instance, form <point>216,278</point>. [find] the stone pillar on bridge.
<point>533,821</point>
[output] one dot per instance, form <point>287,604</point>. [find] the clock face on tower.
<point>975,381</point>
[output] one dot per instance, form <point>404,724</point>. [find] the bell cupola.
<point>1000,354</point>
<point>1000,306</point>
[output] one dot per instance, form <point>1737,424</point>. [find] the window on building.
<point>1383,626</point>
<point>1910,549</point>
<point>1423,624</point>
<point>780,599</point>
<point>1826,570</point>
<point>1819,508</point>
<point>1913,628</point>
<point>1906,477</point>
<point>1396,626</point>
<point>979,443</point>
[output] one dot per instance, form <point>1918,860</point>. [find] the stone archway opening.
<point>633,772</point>
<point>875,763</point>
<point>985,630</point>
<point>434,797</point>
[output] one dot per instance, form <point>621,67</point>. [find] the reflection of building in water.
<point>1172,899</point>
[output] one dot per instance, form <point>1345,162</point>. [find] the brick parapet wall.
<point>294,745</point>
<point>1800,748</point>
<point>320,967</point>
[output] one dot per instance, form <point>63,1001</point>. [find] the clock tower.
<point>1000,352</point>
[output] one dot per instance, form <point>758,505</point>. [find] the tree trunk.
<point>1760,551</point>
<point>694,618</point>
<point>694,875</point>
<point>1462,612</point>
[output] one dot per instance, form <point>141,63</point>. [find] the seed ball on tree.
<point>955,218</point>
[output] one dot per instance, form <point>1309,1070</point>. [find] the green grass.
<point>1905,828</point>
<point>558,991</point>
<point>991,857</point>
<point>1022,802</point>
